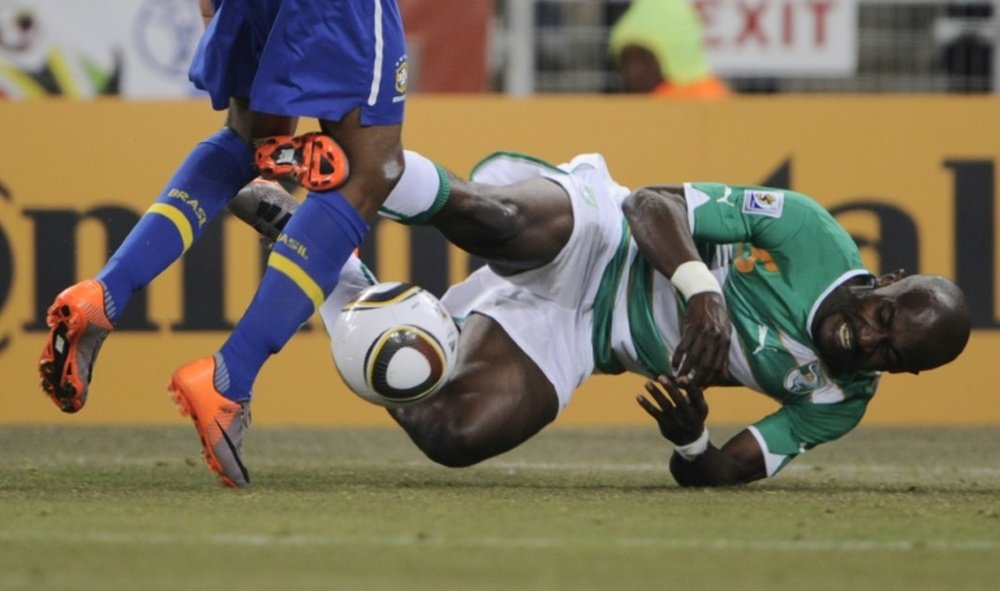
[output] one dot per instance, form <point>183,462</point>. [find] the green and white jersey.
<point>777,254</point>
<point>788,254</point>
<point>600,307</point>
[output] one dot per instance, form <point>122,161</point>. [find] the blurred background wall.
<point>141,48</point>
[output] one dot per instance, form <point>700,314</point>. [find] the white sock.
<point>420,193</point>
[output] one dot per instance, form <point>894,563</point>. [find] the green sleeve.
<point>796,428</point>
<point>767,218</point>
<point>802,239</point>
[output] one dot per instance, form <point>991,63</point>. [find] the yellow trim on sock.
<point>179,220</point>
<point>298,276</point>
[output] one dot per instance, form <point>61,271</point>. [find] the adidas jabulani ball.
<point>394,344</point>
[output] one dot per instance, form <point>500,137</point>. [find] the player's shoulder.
<point>754,200</point>
<point>762,198</point>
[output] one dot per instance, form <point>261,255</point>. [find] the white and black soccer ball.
<point>394,344</point>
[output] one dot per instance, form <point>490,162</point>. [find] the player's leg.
<point>303,269</point>
<point>199,387</point>
<point>359,105</point>
<point>359,101</point>
<point>210,176</point>
<point>514,227</point>
<point>213,172</point>
<point>304,265</point>
<point>496,399</point>
<point>83,314</point>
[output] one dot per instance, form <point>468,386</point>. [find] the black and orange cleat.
<point>314,159</point>
<point>78,324</point>
<point>221,422</point>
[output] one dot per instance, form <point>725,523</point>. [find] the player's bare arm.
<point>207,10</point>
<point>658,218</point>
<point>680,412</point>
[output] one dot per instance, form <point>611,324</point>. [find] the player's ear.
<point>889,278</point>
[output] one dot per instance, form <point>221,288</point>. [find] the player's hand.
<point>680,414</point>
<point>703,353</point>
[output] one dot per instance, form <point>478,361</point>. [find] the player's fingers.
<point>720,361</point>
<point>690,412</point>
<point>702,377</point>
<point>648,406</point>
<point>683,353</point>
<point>697,398</point>
<point>666,413</point>
<point>680,355</point>
<point>686,363</point>
<point>658,396</point>
<point>701,369</point>
<point>676,396</point>
<point>667,401</point>
<point>704,355</point>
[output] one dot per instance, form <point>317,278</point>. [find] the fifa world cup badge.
<point>402,76</point>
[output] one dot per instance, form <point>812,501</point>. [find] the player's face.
<point>882,329</point>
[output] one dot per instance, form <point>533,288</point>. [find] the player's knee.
<point>453,451</point>
<point>382,171</point>
<point>491,220</point>
<point>373,176</point>
<point>450,444</point>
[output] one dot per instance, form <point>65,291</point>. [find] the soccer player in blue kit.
<point>267,62</point>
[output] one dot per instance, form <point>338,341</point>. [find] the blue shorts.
<point>306,58</point>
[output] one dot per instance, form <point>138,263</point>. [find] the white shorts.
<point>548,311</point>
<point>354,277</point>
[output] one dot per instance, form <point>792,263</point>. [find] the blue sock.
<point>302,270</point>
<point>211,175</point>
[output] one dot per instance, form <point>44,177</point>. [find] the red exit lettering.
<point>764,23</point>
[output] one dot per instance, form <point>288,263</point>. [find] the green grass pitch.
<point>130,508</point>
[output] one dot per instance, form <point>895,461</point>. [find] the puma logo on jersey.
<point>725,196</point>
<point>761,339</point>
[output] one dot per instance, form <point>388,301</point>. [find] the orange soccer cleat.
<point>221,422</point>
<point>314,159</point>
<point>78,324</point>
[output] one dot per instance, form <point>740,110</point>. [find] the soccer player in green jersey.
<point>692,285</point>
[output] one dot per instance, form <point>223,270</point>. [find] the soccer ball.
<point>394,344</point>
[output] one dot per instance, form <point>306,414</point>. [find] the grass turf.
<point>134,508</point>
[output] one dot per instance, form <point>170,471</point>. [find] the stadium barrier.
<point>912,178</point>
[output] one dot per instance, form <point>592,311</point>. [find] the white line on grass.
<point>318,541</point>
<point>792,468</point>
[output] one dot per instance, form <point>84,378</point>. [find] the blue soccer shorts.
<point>306,58</point>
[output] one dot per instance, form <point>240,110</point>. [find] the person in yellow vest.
<point>658,47</point>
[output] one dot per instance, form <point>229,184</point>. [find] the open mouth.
<point>844,337</point>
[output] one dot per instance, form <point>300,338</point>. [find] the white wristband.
<point>693,277</point>
<point>694,449</point>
